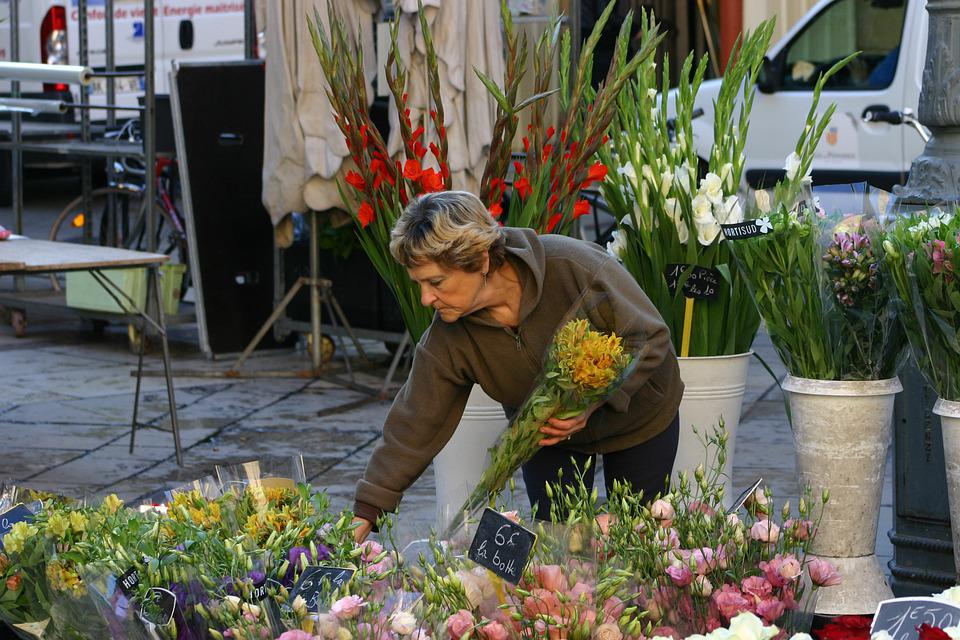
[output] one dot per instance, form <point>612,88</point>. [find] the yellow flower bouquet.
<point>584,367</point>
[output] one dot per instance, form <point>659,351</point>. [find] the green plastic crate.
<point>84,292</point>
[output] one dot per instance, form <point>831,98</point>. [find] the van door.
<point>851,150</point>
<point>201,31</point>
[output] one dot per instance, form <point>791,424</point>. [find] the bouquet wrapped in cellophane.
<point>584,366</point>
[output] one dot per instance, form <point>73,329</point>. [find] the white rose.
<point>951,595</point>
<point>607,631</point>
<point>403,622</point>
<point>729,212</point>
<point>721,633</point>
<point>801,636</point>
<point>953,632</point>
<point>883,634</point>
<point>747,626</point>
<point>712,187</point>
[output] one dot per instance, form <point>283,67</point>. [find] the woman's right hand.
<point>363,529</point>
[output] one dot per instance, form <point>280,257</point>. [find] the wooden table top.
<point>22,255</point>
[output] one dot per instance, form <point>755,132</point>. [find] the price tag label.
<point>19,513</point>
<point>747,229</point>
<point>502,546</point>
<point>317,583</point>
<point>158,606</point>
<point>701,283</point>
<point>900,617</point>
<point>128,581</point>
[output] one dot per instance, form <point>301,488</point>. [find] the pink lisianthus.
<point>680,574</point>
<point>668,538</point>
<point>757,588</point>
<point>702,587</point>
<point>512,516</point>
<point>295,634</point>
<point>662,510</point>
<point>666,632</point>
<point>612,609</point>
<point>798,529</point>
<point>603,522</point>
<point>765,531</point>
<point>823,574</point>
<point>581,591</point>
<point>541,602</point>
<point>702,507</point>
<point>607,631</point>
<point>704,559</point>
<point>493,631</point>
<point>730,601</point>
<point>460,624</point>
<point>770,609</point>
<point>781,569</point>
<point>347,607</point>
<point>550,576</point>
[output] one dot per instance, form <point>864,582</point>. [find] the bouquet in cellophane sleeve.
<point>584,366</point>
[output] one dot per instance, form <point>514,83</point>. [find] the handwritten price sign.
<point>900,617</point>
<point>700,283</point>
<point>317,583</point>
<point>502,546</point>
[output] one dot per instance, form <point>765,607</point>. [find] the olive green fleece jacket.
<point>561,278</point>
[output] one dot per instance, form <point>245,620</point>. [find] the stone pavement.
<point>66,399</point>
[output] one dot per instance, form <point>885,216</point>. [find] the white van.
<point>194,30</point>
<point>892,35</point>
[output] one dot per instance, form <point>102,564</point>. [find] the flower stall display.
<point>237,565</point>
<point>922,252</point>
<point>816,281</point>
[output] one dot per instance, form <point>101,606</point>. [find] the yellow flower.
<point>111,504</point>
<point>16,538</point>
<point>78,521</point>
<point>63,578</point>
<point>57,525</point>
<point>589,359</point>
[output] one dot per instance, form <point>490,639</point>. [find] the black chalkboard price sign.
<point>900,617</point>
<point>317,583</point>
<point>502,546</point>
<point>19,513</point>
<point>703,283</point>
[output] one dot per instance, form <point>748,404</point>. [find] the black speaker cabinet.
<point>218,119</point>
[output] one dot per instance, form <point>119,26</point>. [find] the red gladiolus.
<point>365,214</point>
<point>433,113</point>
<point>552,202</point>
<point>419,150</point>
<point>581,207</point>
<point>411,170</point>
<point>597,172</point>
<point>356,181</point>
<point>363,135</point>
<point>517,167</point>
<point>435,150</point>
<point>417,133</point>
<point>442,131</point>
<point>403,98</point>
<point>523,187</point>
<point>605,139</point>
<point>550,132</point>
<point>526,144</point>
<point>554,220</point>
<point>547,149</point>
<point>496,210</point>
<point>431,181</point>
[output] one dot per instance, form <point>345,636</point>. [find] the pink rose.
<point>550,576</point>
<point>823,574</point>
<point>757,588</point>
<point>295,634</point>
<point>680,574</point>
<point>607,631</point>
<point>730,601</point>
<point>770,609</point>
<point>493,631</point>
<point>764,531</point>
<point>460,624</point>
<point>347,607</point>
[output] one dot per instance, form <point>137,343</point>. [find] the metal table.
<point>22,256</point>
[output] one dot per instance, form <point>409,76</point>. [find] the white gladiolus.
<point>712,187</point>
<point>652,93</point>
<point>682,142</point>
<point>681,177</point>
<point>617,246</point>
<point>675,213</point>
<point>702,208</point>
<point>792,164</point>
<point>627,171</point>
<point>726,174</point>
<point>707,230</point>
<point>729,212</point>
<point>647,173</point>
<point>666,181</point>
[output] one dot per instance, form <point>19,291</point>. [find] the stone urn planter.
<point>458,466</point>
<point>842,430</point>
<point>949,413</point>
<point>713,389</point>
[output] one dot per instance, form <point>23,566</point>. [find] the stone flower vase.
<point>713,388</point>
<point>949,412</point>
<point>458,466</point>
<point>842,430</point>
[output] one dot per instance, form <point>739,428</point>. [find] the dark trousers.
<point>645,467</point>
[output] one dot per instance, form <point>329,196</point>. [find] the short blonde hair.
<point>451,228</point>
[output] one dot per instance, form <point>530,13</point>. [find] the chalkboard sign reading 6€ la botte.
<point>502,545</point>
<point>316,583</point>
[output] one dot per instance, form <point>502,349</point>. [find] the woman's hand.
<point>363,529</point>
<point>559,430</point>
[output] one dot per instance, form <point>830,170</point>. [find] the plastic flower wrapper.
<point>269,473</point>
<point>24,593</point>
<point>585,364</point>
<point>201,503</point>
<point>865,330</point>
<point>243,601</point>
<point>922,258</point>
<point>118,611</point>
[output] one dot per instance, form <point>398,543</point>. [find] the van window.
<point>873,27</point>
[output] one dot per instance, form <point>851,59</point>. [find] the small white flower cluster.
<point>933,221</point>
